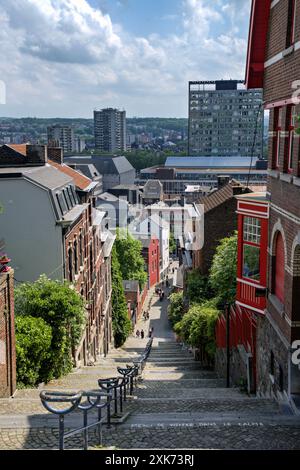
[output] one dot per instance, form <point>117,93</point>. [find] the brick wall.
<point>277,330</point>
<point>219,223</point>
<point>279,77</point>
<point>7,336</point>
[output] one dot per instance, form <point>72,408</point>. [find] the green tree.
<point>198,289</point>
<point>62,308</point>
<point>172,244</point>
<point>33,343</point>
<point>132,264</point>
<point>175,309</point>
<point>121,323</point>
<point>222,277</point>
<point>197,327</point>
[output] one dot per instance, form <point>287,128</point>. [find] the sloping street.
<point>176,405</point>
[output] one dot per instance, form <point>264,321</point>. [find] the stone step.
<point>153,385</point>
<point>216,393</point>
<point>208,419</point>
<point>203,405</point>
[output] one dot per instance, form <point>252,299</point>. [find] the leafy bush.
<point>222,277</point>
<point>121,323</point>
<point>197,327</point>
<point>175,309</point>
<point>132,264</point>
<point>198,288</point>
<point>62,308</point>
<point>33,342</point>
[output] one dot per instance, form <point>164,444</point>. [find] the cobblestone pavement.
<point>177,405</point>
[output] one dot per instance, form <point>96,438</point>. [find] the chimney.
<point>36,154</point>
<point>56,154</point>
<point>223,180</point>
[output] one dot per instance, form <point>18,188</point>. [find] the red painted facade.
<point>152,258</point>
<point>253,216</point>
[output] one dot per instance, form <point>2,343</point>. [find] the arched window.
<point>75,257</point>
<point>296,284</point>
<point>70,263</point>
<point>279,268</point>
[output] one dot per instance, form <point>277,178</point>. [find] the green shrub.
<point>175,309</point>
<point>33,342</point>
<point>198,288</point>
<point>223,273</point>
<point>197,327</point>
<point>62,308</point>
<point>121,323</point>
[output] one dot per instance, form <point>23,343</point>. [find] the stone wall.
<point>268,343</point>
<point>241,372</point>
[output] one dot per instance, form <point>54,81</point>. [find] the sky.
<point>65,58</point>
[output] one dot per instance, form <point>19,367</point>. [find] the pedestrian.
<point>150,332</point>
<point>163,294</point>
<point>142,334</point>
<point>148,315</point>
<point>138,333</point>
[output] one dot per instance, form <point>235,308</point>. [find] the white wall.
<point>28,227</point>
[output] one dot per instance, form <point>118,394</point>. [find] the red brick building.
<point>273,64</point>
<point>7,335</point>
<point>220,221</point>
<point>63,230</point>
<point>152,259</point>
<point>253,217</point>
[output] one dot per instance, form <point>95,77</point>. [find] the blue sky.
<point>144,17</point>
<point>67,57</point>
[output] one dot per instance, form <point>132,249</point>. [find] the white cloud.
<point>63,57</point>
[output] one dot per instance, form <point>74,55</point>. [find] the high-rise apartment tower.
<point>225,119</point>
<point>62,136</point>
<point>110,130</point>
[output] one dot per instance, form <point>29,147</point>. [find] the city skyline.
<point>126,54</point>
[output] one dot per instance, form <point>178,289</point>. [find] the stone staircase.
<point>176,390</point>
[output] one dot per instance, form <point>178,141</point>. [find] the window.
<point>277,130</point>
<point>67,198</point>
<point>251,248</point>
<point>75,257</point>
<point>70,263</point>
<point>279,269</point>
<point>252,230</point>
<point>251,264</point>
<point>291,26</point>
<point>291,139</point>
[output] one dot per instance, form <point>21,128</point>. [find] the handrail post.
<point>61,431</point>
<point>85,432</point>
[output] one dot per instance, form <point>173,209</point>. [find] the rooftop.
<point>210,162</point>
<point>81,181</point>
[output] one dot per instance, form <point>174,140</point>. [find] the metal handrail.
<point>93,400</point>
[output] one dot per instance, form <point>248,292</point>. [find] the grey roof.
<point>108,197</point>
<point>46,176</point>
<point>88,170</point>
<point>105,165</point>
<point>131,286</point>
<point>210,162</point>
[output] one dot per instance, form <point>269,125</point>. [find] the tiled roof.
<point>81,181</point>
<point>20,148</point>
<point>218,197</point>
